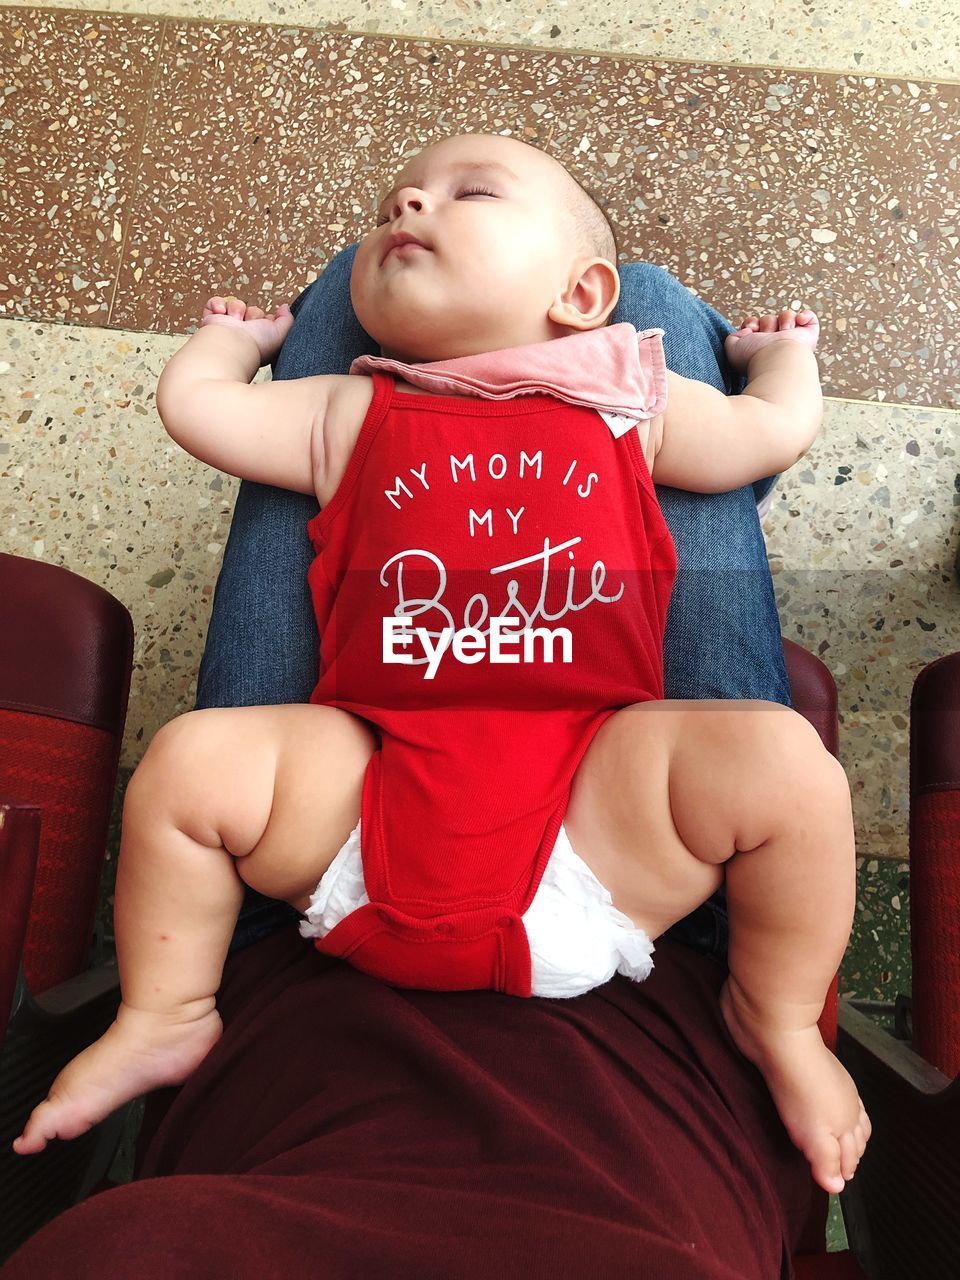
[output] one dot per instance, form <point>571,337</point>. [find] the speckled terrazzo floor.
<point>730,177</point>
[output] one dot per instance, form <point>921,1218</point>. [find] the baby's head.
<point>515,252</point>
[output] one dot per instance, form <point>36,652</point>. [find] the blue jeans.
<point>722,634</point>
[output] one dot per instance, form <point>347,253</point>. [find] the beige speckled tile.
<point>264,148</point>
<point>894,37</point>
<point>90,480</point>
<point>877,491</point>
<point>861,538</point>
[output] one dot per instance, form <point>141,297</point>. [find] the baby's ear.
<point>591,294</point>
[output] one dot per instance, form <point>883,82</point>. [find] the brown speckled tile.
<point>76,92</point>
<point>757,187</point>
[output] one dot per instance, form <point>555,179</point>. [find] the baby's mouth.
<point>399,241</point>
<point>408,250</point>
<point>402,248</point>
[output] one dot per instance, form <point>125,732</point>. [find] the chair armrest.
<point>814,693</point>
<point>935,862</point>
<point>900,1210</point>
<point>44,1033</point>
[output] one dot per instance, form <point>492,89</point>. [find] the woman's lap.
<point>344,1125</point>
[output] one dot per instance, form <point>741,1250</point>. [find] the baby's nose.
<point>408,198</point>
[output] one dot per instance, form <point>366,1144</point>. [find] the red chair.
<point>66,652</point>
<point>901,1210</point>
<point>67,649</point>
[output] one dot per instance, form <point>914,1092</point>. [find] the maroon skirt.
<point>344,1128</point>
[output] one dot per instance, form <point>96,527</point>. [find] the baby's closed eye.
<point>472,191</point>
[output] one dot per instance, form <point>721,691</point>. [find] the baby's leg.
<point>673,795</point>
<point>224,796</point>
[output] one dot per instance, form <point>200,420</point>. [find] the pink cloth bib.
<point>617,370</point>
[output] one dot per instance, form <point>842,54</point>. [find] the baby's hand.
<point>788,326</point>
<point>268,332</point>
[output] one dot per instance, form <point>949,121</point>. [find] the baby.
<point>451,810</point>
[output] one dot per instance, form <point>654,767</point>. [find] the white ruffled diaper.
<point>578,939</point>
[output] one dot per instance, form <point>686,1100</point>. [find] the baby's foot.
<point>760,331</point>
<point>139,1052</point>
<point>816,1098</point>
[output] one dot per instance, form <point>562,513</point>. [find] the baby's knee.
<point>799,755</point>
<point>179,749</point>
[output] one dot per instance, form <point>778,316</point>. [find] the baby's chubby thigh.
<point>669,790</point>
<point>277,787</point>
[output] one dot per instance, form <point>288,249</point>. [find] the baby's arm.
<point>707,442</point>
<point>271,432</point>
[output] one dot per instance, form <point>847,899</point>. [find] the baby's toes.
<point>861,1140</point>
<point>807,322</point>
<point>823,1153</point>
<point>768,324</point>
<point>39,1128</point>
<point>29,1143</point>
<point>849,1155</point>
<point>235,307</point>
<point>865,1124</point>
<point>788,319</point>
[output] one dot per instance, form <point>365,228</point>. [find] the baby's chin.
<point>421,338</point>
<point>427,324</point>
<point>396,315</point>
<point>399,351</point>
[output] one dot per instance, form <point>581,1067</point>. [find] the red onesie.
<point>452,512</point>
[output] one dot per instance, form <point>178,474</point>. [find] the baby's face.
<point>497,252</point>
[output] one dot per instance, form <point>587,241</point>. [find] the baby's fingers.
<point>229,306</point>
<point>772,322</point>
